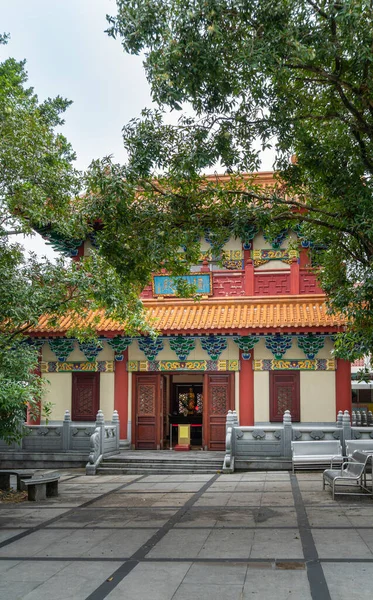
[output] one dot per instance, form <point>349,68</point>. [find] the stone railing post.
<point>228,465</point>
<point>287,434</point>
<point>235,418</point>
<point>339,419</point>
<point>100,424</point>
<point>346,429</point>
<point>66,424</point>
<point>115,421</point>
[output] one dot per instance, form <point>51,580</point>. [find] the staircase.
<point>163,462</point>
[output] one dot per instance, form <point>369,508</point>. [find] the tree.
<point>38,184</point>
<point>294,74</point>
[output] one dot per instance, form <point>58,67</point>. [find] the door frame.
<point>272,380</point>
<point>206,402</point>
<point>160,434</point>
<point>95,376</point>
<point>158,407</point>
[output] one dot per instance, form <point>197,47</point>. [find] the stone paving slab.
<point>172,537</point>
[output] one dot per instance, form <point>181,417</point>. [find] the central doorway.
<point>162,401</point>
<point>186,407</point>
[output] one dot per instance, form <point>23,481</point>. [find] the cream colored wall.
<point>233,244</point>
<point>261,396</point>
<point>107,394</point>
<point>58,391</point>
<point>47,354</point>
<point>317,388</point>
<point>88,248</point>
<point>273,265</point>
<point>231,353</point>
<point>317,396</point>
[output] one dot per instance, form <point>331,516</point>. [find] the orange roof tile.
<point>219,315</point>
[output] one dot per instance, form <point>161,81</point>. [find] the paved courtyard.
<point>162,537</point>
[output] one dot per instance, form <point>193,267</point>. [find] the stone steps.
<point>154,471</point>
<point>156,464</point>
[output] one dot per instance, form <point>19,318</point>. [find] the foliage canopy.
<point>295,74</point>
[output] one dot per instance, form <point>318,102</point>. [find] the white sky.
<point>68,54</point>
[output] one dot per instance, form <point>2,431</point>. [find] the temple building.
<point>259,341</point>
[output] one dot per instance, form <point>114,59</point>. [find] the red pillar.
<point>121,393</point>
<point>249,277</point>
<point>343,386</point>
<point>294,276</point>
<point>29,420</point>
<point>246,391</point>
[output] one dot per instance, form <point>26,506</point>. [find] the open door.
<point>148,407</point>
<point>220,398</point>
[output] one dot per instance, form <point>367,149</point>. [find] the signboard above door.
<point>164,285</point>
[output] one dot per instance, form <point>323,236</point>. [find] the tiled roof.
<point>220,315</point>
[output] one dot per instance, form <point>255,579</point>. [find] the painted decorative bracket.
<point>62,347</point>
<point>278,344</point>
<point>150,347</point>
<point>182,346</point>
<point>214,345</point>
<point>119,345</point>
<point>246,343</point>
<point>276,241</point>
<point>311,344</point>
<point>90,349</point>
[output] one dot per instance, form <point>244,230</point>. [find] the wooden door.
<point>220,398</point>
<point>85,396</point>
<point>147,412</point>
<point>284,392</point>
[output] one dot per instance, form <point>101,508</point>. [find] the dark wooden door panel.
<point>147,412</point>
<point>85,396</point>
<point>220,399</point>
<point>284,395</point>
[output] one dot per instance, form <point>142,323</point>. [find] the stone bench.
<point>41,487</point>
<point>351,473</point>
<point>5,478</point>
<point>316,454</point>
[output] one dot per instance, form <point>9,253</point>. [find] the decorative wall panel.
<point>163,285</point>
<point>271,284</point>
<point>261,257</point>
<point>188,365</point>
<point>321,364</point>
<point>101,366</point>
<point>146,400</point>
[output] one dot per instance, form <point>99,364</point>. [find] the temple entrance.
<point>186,404</point>
<point>163,401</point>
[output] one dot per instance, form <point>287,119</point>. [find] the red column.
<point>29,420</point>
<point>294,276</point>
<point>249,278</point>
<point>121,393</point>
<point>246,391</point>
<point>343,386</point>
